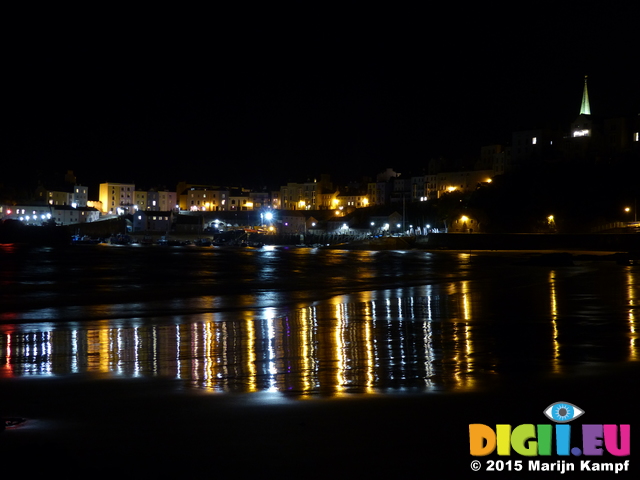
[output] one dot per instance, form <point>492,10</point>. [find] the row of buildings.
<point>586,138</point>
<point>157,209</point>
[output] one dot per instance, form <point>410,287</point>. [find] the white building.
<point>40,214</point>
<point>77,196</point>
<point>28,214</point>
<point>67,215</point>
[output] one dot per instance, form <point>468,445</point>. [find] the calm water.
<point>309,321</point>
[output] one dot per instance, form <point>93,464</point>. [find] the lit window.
<point>636,136</point>
<point>534,140</point>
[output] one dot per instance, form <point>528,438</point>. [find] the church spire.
<point>584,108</point>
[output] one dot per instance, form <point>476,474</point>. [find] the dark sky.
<point>269,97</point>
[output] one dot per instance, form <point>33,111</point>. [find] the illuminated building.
<point>68,215</point>
<point>41,214</point>
<point>583,126</point>
<point>308,195</point>
<point>116,196</point>
<point>205,199</point>
<point>299,196</point>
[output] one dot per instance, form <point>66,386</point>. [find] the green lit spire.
<point>584,108</point>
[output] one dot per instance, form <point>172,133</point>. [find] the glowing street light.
<point>635,211</point>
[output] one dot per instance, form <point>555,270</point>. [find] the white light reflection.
<point>154,352</point>
<point>427,329</point>
<point>341,358</point>
<point>555,362</point>
<point>136,352</point>
<point>418,337</point>
<point>271,356</point>
<point>209,357</point>
<point>195,345</point>
<point>177,357</point>
<point>118,350</point>
<point>74,351</point>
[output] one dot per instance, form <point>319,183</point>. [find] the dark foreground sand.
<point>84,426</point>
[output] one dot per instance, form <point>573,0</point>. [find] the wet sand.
<point>86,425</point>
<point>582,320</point>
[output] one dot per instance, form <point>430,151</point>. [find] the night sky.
<point>260,98</point>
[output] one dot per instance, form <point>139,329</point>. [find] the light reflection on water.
<point>477,322</point>
<point>350,344</point>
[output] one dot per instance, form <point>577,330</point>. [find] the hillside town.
<point>438,197</point>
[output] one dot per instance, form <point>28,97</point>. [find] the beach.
<point>133,427</point>
<point>282,370</point>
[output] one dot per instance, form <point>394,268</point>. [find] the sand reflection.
<point>443,336</point>
<point>365,343</point>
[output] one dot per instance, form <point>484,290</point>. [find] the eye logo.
<point>562,412</point>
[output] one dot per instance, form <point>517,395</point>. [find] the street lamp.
<point>268,216</point>
<point>635,211</point>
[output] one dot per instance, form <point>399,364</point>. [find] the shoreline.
<point>586,242</point>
